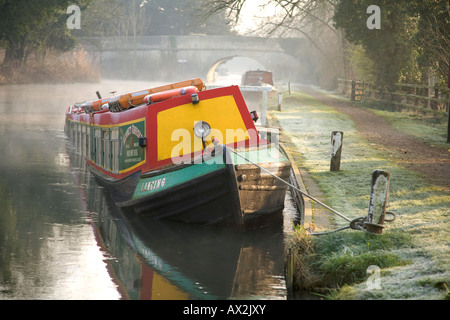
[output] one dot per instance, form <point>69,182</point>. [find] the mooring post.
<point>280,100</point>
<point>289,272</point>
<point>264,108</point>
<point>336,150</point>
<point>378,201</point>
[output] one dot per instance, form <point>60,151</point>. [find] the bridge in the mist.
<point>156,58</point>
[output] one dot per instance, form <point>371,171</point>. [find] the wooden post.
<point>264,108</point>
<point>289,272</point>
<point>378,201</point>
<point>448,111</point>
<point>280,100</point>
<point>448,107</point>
<point>417,92</point>
<point>364,91</point>
<point>353,90</point>
<point>336,149</point>
<point>436,96</point>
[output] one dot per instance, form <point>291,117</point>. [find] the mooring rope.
<point>292,186</point>
<point>356,224</point>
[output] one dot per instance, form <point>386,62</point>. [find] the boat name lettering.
<point>152,185</point>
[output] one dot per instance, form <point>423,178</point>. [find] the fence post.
<point>364,91</point>
<point>336,149</point>
<point>378,201</point>
<point>436,96</point>
<point>448,111</point>
<point>448,106</point>
<point>416,93</point>
<point>353,90</point>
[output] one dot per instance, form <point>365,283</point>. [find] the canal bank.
<point>410,259</point>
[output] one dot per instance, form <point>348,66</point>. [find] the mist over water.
<point>48,249</point>
<point>61,239</point>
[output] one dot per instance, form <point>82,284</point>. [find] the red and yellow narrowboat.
<point>182,152</point>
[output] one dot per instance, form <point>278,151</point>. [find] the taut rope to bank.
<point>356,224</point>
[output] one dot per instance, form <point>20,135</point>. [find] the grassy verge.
<point>412,255</point>
<point>430,127</point>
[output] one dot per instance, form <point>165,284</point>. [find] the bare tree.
<point>310,19</point>
<point>435,38</point>
<point>293,14</point>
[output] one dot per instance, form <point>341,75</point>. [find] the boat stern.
<point>260,173</point>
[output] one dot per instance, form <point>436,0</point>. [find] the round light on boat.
<point>254,116</point>
<point>202,129</point>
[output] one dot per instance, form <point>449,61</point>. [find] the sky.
<point>252,13</point>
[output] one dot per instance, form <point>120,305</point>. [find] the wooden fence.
<point>408,95</point>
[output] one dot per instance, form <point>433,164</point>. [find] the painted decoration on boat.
<point>132,153</point>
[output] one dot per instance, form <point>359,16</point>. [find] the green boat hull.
<point>220,190</point>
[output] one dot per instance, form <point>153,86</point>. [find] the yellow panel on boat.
<point>176,126</point>
<point>162,289</point>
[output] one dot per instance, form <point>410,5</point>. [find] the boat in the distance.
<point>182,152</point>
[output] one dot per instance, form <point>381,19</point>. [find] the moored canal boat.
<point>181,152</point>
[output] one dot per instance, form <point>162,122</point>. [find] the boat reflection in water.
<point>169,260</point>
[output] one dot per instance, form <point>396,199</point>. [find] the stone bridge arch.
<point>210,75</point>
<point>168,58</point>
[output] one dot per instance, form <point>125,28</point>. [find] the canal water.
<point>62,238</point>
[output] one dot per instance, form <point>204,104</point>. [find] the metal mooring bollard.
<point>378,202</point>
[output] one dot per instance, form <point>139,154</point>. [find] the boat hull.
<point>216,191</point>
<point>262,195</point>
<point>194,158</point>
<point>200,194</point>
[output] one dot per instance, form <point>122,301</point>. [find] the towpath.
<point>431,161</point>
